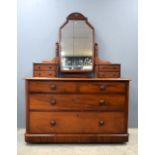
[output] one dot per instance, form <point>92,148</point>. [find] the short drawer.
<point>76,122</point>
<point>44,73</point>
<point>102,87</point>
<point>44,67</point>
<point>76,102</point>
<point>52,87</point>
<point>110,67</point>
<point>108,74</point>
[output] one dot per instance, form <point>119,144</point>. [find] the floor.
<point>129,148</point>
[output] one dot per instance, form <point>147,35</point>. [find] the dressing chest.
<point>76,97</point>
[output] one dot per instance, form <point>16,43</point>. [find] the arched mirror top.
<point>76,40</point>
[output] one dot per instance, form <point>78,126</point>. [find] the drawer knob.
<point>53,101</point>
<point>101,123</point>
<point>102,87</point>
<point>53,86</point>
<point>53,123</point>
<point>102,102</point>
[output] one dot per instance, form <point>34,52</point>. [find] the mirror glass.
<point>76,44</point>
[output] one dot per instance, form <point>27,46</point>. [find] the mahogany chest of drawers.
<point>80,110</point>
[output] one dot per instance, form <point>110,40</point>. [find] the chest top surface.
<point>75,79</point>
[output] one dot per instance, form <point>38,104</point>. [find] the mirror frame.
<point>77,16</point>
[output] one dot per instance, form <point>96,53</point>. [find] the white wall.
<point>115,22</point>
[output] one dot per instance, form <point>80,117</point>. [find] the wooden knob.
<point>102,102</point>
<point>101,123</point>
<point>53,86</point>
<point>102,87</point>
<point>53,123</point>
<point>52,101</point>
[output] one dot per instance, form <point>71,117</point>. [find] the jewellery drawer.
<point>109,67</point>
<point>52,87</point>
<point>102,87</point>
<point>108,74</point>
<point>44,73</point>
<point>76,122</point>
<point>76,102</point>
<point>42,66</point>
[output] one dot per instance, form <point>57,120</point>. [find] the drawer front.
<point>108,74</point>
<point>108,67</point>
<point>76,102</point>
<point>52,87</point>
<point>44,73</point>
<point>76,122</point>
<point>104,87</point>
<point>44,67</point>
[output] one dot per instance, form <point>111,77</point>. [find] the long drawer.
<point>72,87</point>
<point>76,122</point>
<point>76,101</point>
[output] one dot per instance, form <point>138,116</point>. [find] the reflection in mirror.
<point>76,46</point>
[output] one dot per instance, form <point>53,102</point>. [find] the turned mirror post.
<point>76,44</point>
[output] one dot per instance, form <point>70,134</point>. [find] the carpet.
<point>130,148</point>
